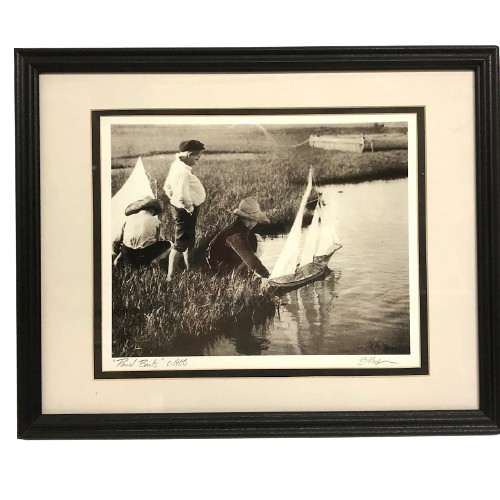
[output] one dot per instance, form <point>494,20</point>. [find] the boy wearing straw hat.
<point>235,247</point>
<point>186,194</point>
<point>140,243</point>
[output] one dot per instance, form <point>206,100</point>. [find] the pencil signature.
<point>374,360</point>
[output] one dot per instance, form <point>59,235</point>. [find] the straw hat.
<point>145,204</point>
<point>249,208</point>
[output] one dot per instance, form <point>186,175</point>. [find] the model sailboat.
<point>305,255</point>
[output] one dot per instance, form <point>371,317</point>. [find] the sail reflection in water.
<point>304,314</point>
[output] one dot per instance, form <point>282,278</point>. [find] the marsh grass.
<point>153,317</point>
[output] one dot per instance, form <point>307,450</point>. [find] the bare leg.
<point>187,257</point>
<point>173,263</point>
<point>118,258</point>
<point>162,257</point>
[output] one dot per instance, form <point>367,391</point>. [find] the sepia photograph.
<point>243,241</point>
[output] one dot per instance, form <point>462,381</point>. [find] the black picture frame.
<point>31,63</point>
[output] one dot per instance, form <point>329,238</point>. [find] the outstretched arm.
<point>242,247</point>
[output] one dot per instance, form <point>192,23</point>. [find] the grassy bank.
<point>153,317</point>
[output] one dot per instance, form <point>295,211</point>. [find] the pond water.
<point>362,306</point>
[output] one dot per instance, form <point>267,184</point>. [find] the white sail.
<point>310,239</point>
<point>289,257</point>
<point>328,239</point>
<point>137,186</point>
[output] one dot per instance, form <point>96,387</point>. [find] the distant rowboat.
<point>352,143</point>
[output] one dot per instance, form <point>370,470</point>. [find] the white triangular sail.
<point>289,257</point>
<point>137,186</point>
<point>328,240</point>
<point>310,239</point>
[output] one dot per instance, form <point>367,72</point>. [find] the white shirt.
<point>141,230</point>
<point>183,187</point>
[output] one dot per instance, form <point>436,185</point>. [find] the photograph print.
<point>262,242</point>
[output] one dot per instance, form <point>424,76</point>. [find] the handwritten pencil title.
<point>153,363</point>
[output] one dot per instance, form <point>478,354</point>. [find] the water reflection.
<point>306,312</point>
<point>248,339</point>
<point>248,334</point>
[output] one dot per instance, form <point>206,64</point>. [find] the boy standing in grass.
<point>186,194</point>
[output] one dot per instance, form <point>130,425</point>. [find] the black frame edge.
<point>28,244</point>
<point>252,59</point>
<point>258,425</point>
<point>488,230</point>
